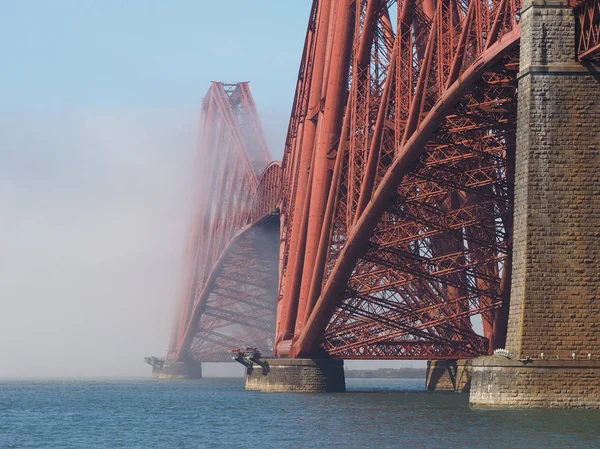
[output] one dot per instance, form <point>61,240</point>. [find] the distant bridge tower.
<point>230,293</point>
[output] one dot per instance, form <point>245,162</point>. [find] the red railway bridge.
<point>393,222</point>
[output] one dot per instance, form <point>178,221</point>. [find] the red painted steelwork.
<point>588,29</point>
<point>231,290</point>
<point>411,192</point>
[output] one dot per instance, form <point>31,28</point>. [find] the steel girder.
<point>398,180</point>
<point>238,302</point>
<point>588,29</point>
<point>230,294</point>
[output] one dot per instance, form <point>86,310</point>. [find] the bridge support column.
<point>553,338</point>
<point>178,370</point>
<point>499,381</point>
<point>448,375</point>
<point>298,375</point>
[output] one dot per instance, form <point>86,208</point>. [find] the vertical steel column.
<point>332,116</point>
<point>363,59</point>
<point>288,306</point>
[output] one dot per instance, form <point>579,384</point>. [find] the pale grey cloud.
<point>94,209</point>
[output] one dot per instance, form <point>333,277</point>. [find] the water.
<point>219,413</point>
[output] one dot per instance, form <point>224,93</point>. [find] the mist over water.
<point>94,213</point>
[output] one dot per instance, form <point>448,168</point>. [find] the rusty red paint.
<point>417,228</point>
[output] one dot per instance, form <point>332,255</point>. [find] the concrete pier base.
<point>178,370</point>
<point>502,382</point>
<point>448,375</point>
<point>298,375</point>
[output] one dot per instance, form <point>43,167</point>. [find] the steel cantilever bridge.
<point>387,226</point>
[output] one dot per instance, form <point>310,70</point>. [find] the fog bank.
<point>94,214</point>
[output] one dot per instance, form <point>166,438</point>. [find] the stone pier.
<point>499,381</point>
<point>554,320</point>
<point>448,375</point>
<point>298,375</point>
<point>178,370</point>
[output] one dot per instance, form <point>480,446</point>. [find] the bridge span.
<point>438,199</point>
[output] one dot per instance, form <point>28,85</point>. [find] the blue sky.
<point>156,54</point>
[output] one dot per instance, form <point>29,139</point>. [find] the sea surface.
<point>219,413</point>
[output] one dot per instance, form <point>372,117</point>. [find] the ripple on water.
<point>219,413</point>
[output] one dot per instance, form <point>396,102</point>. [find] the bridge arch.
<point>237,304</point>
<point>364,230</point>
<point>408,232</point>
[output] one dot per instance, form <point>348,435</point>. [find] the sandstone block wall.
<point>555,296</point>
<point>543,384</point>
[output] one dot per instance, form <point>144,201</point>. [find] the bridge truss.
<point>386,232</point>
<point>399,174</point>
<point>232,269</point>
<point>398,180</point>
